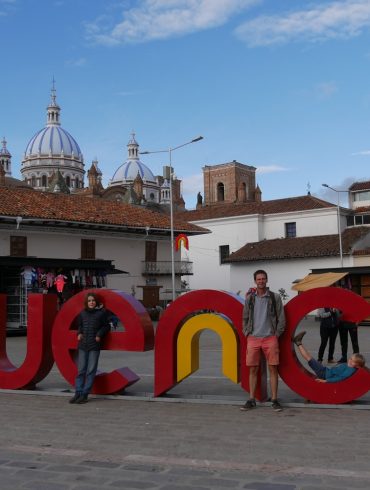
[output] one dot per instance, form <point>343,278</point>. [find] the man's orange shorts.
<point>269,346</point>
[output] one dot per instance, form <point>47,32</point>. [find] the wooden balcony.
<point>163,268</point>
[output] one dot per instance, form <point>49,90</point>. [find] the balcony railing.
<point>163,268</point>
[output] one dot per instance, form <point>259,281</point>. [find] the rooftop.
<point>299,247</point>
<point>45,206</point>
<point>360,186</point>
<point>290,204</point>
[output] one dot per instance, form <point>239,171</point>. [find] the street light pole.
<point>172,230</point>
<point>338,220</point>
<point>169,151</point>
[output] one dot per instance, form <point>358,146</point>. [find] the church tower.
<point>5,159</point>
<point>231,182</point>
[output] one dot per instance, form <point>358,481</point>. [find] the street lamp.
<point>338,219</point>
<point>169,151</point>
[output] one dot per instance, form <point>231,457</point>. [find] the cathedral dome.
<point>132,167</point>
<point>53,140</point>
<point>50,149</point>
<point>129,170</point>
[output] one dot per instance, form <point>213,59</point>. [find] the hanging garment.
<point>60,281</point>
<point>50,276</point>
<point>27,273</point>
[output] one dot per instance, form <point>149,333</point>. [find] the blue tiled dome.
<point>130,169</point>
<point>50,150</point>
<point>53,140</point>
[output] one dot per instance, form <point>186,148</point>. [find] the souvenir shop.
<point>20,276</point>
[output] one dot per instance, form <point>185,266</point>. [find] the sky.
<point>282,85</point>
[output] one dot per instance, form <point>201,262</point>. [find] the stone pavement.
<point>133,442</point>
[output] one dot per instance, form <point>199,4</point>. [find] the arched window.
<point>33,181</point>
<point>220,192</point>
<point>77,183</point>
<point>44,181</point>
<point>68,181</point>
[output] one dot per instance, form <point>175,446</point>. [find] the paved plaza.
<point>195,438</point>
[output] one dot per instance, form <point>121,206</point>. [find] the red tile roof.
<point>360,186</point>
<point>290,204</point>
<point>29,203</point>
<point>361,209</point>
<point>299,247</point>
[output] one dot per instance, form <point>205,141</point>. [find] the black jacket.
<point>91,324</point>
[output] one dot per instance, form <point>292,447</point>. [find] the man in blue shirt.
<point>329,375</point>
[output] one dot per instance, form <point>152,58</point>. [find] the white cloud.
<point>336,20</point>
<point>329,195</point>
<point>7,7</point>
<point>192,184</point>
<point>162,19</point>
<point>269,169</point>
<point>363,152</point>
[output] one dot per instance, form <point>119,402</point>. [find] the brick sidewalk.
<point>48,444</point>
<point>198,441</point>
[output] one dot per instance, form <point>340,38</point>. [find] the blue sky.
<point>283,85</point>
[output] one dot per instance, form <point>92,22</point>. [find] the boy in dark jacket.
<point>93,325</point>
<point>329,375</point>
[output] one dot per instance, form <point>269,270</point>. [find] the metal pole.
<point>338,219</point>
<point>170,150</point>
<point>339,233</point>
<point>172,231</point>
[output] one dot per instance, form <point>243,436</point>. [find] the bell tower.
<point>231,182</point>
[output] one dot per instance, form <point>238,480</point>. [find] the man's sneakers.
<point>249,405</point>
<point>298,338</point>
<point>275,404</point>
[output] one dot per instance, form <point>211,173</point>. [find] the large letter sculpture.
<point>138,336</point>
<point>177,338</point>
<point>176,341</point>
<point>297,377</point>
<point>39,358</point>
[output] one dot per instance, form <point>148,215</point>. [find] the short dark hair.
<point>260,271</point>
<point>90,295</point>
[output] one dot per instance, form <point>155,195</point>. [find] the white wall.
<point>237,231</point>
<point>308,223</point>
<point>204,249</point>
<point>281,273</point>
